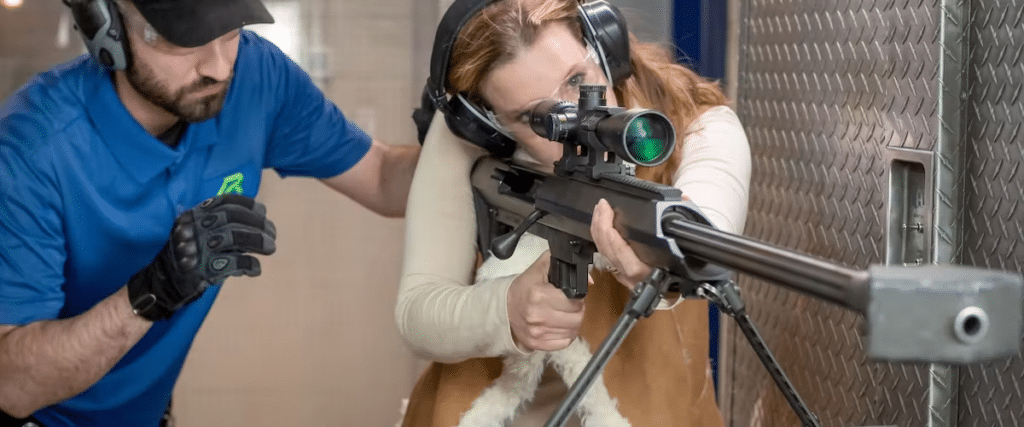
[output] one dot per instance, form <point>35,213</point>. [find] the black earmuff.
<point>603,26</point>
<point>102,30</point>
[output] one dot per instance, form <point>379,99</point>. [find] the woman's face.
<point>553,67</point>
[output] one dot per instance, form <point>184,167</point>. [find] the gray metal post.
<point>947,228</point>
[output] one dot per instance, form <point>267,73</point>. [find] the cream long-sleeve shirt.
<point>448,313</point>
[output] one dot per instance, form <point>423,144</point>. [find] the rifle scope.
<point>639,136</point>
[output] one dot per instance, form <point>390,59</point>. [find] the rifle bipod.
<point>643,300</point>
<point>726,296</point>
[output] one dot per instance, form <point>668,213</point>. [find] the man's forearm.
<point>46,362</point>
<point>400,163</point>
<point>380,180</point>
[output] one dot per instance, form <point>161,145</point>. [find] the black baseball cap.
<point>192,23</point>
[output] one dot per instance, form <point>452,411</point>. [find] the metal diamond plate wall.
<point>825,86</point>
<point>992,394</point>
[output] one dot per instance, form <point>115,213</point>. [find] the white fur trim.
<point>518,384</point>
<point>597,408</point>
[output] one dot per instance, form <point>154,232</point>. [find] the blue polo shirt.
<point>87,199</point>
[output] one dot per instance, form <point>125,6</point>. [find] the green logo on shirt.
<point>232,184</point>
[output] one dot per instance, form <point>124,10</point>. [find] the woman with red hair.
<point>505,343</point>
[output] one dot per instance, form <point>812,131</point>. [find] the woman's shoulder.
<point>717,115</point>
<point>716,121</point>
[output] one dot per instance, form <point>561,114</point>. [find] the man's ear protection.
<point>604,28</point>
<point>102,30</point>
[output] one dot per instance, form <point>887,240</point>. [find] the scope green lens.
<point>644,141</point>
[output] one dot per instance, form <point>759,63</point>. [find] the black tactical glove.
<point>208,243</point>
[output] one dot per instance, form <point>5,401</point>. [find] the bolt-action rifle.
<point>948,314</point>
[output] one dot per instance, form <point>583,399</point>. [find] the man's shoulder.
<point>263,61</point>
<point>264,77</point>
<point>258,48</point>
<point>47,105</point>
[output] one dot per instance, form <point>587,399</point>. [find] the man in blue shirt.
<point>126,185</point>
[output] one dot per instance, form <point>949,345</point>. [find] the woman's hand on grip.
<point>541,316</point>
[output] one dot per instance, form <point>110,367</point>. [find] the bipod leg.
<point>642,301</point>
<point>726,296</point>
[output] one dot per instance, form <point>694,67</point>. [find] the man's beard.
<point>143,80</point>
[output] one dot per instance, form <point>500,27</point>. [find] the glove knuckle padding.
<point>207,245</point>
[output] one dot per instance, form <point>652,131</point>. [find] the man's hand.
<point>208,243</point>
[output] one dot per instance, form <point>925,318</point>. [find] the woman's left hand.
<point>625,265</point>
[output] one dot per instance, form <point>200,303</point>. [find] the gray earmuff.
<point>102,30</point>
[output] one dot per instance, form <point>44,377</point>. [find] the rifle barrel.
<point>799,272</point>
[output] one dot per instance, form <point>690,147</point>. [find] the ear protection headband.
<point>102,30</point>
<point>604,28</point>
